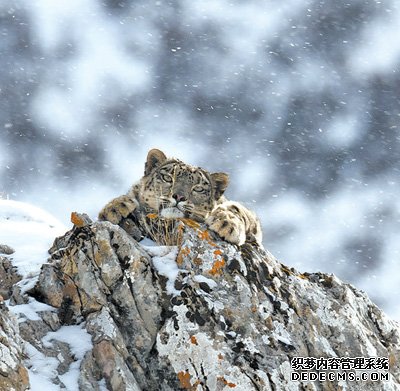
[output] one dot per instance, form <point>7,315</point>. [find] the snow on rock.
<point>164,260</point>
<point>79,342</point>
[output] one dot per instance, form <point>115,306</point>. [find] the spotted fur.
<point>170,190</point>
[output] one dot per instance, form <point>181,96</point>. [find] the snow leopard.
<point>172,190</point>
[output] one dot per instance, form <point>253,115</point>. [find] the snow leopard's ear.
<point>154,159</point>
<point>220,182</point>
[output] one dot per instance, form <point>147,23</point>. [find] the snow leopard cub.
<point>171,190</point>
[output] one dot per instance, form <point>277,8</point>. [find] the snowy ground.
<point>30,231</point>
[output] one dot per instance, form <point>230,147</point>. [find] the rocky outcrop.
<point>13,374</point>
<point>8,277</point>
<point>204,315</point>
<point>7,250</point>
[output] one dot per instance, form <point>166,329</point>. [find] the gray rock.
<point>8,277</point>
<point>17,297</point>
<point>106,278</point>
<point>7,250</point>
<point>13,374</point>
<point>209,316</point>
<point>231,318</point>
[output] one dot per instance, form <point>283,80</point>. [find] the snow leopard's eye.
<point>166,178</point>
<point>199,189</point>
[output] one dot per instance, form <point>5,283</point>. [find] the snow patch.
<point>30,310</point>
<point>41,369</point>
<point>30,231</point>
<point>79,342</point>
<point>164,260</point>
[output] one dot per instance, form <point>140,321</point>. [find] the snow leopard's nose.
<point>178,197</point>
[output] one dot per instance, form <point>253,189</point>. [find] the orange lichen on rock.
<point>80,219</point>
<point>204,235</point>
<point>190,223</point>
<point>218,252</point>
<point>217,266</point>
<point>182,253</point>
<point>193,340</point>
<point>184,379</point>
<point>231,385</point>
<point>76,220</point>
<point>152,215</point>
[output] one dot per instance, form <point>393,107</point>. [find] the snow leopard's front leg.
<point>235,223</point>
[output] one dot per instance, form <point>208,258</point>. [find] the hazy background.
<point>299,101</point>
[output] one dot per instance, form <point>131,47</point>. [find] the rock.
<point>13,374</point>
<point>80,219</point>
<point>102,282</point>
<point>8,277</point>
<point>217,317</point>
<point>7,250</point>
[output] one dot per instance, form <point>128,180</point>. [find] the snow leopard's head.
<point>174,189</point>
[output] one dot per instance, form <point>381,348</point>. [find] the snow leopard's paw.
<point>118,209</point>
<point>227,224</point>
